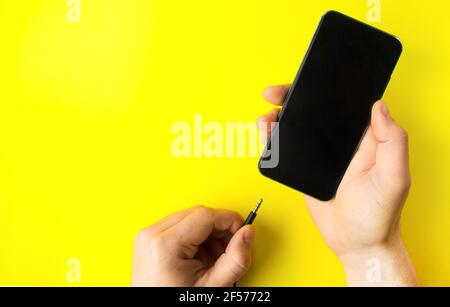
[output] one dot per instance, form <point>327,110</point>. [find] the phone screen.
<point>325,114</point>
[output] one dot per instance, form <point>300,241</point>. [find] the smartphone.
<point>327,110</point>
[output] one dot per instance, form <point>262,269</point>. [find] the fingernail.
<point>384,109</point>
<point>249,235</point>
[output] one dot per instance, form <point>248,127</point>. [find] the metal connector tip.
<point>258,205</point>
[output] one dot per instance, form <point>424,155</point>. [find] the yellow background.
<point>86,111</point>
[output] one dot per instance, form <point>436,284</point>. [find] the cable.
<point>250,218</point>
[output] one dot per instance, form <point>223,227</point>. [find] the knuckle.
<point>400,184</point>
<point>198,207</point>
<point>240,266</point>
<point>143,236</point>
<point>203,211</point>
<point>408,182</point>
<point>158,243</point>
<point>159,249</point>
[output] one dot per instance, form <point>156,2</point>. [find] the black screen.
<point>326,112</point>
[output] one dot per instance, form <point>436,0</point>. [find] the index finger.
<point>166,222</point>
<point>195,228</point>
<point>276,94</point>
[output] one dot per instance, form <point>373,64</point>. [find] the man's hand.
<point>196,247</point>
<point>361,225</point>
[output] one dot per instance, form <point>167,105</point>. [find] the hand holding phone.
<point>361,224</point>
<point>354,199</point>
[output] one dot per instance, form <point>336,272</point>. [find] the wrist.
<point>386,264</point>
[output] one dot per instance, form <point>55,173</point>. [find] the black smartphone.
<point>328,107</point>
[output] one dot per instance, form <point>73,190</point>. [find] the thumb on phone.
<point>392,161</point>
